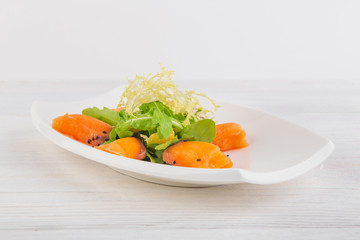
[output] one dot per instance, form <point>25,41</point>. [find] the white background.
<point>217,40</point>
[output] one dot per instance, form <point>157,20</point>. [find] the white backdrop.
<point>224,40</point>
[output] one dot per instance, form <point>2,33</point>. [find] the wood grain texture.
<point>49,193</point>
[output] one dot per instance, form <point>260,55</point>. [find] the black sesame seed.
<point>89,141</point>
<point>107,139</point>
<point>198,159</point>
<point>104,132</point>
<point>186,140</point>
<point>93,139</point>
<point>99,144</point>
<point>174,162</point>
<point>227,155</point>
<point>97,137</point>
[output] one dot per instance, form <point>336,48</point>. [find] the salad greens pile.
<point>156,125</point>
<point>159,114</point>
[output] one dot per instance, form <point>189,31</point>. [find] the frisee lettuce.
<point>160,87</point>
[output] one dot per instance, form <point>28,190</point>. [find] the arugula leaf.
<point>203,130</point>
<point>107,115</point>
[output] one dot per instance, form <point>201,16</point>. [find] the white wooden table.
<point>49,193</point>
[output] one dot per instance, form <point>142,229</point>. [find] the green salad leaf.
<point>166,144</point>
<point>153,154</point>
<point>156,157</point>
<point>107,115</point>
<point>203,130</point>
<point>123,134</point>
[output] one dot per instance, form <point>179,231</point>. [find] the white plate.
<point>279,150</point>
